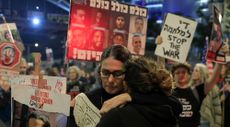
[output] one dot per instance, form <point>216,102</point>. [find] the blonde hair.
<point>204,74</point>
<point>76,70</point>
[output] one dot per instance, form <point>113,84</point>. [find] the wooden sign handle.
<point>37,69</point>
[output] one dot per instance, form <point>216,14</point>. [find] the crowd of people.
<point>131,91</point>
<point>127,88</point>
<point>137,92</point>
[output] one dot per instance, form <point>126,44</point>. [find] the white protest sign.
<point>41,99</point>
<point>53,83</point>
<point>85,113</point>
<point>49,98</point>
<point>177,34</point>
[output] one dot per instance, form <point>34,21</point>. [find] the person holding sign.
<point>192,91</point>
<point>144,77</point>
<point>190,116</point>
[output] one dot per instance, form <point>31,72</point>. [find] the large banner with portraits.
<point>97,24</point>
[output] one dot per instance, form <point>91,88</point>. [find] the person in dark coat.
<point>110,74</point>
<point>159,108</point>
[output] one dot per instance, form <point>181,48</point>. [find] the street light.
<point>36,21</point>
<point>36,45</point>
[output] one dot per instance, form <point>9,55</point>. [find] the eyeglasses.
<point>116,74</point>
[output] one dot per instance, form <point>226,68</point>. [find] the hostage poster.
<point>97,24</point>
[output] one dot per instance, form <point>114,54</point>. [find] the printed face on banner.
<point>120,29</point>
<point>135,44</point>
<point>119,39</point>
<point>138,25</point>
<point>120,22</point>
<point>77,38</point>
<point>95,25</point>
<point>97,40</point>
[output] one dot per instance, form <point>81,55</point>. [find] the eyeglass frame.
<point>116,76</point>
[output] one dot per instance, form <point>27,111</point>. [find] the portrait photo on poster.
<point>79,16</point>
<point>138,25</point>
<point>119,23</point>
<point>119,39</point>
<point>136,44</point>
<point>99,18</point>
<point>77,38</point>
<point>98,39</point>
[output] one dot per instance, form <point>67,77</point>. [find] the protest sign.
<point>216,42</point>
<point>10,56</point>
<point>177,34</point>
<point>9,33</point>
<point>85,113</point>
<point>50,96</point>
<point>10,47</point>
<point>41,99</point>
<point>50,83</point>
<point>97,24</point>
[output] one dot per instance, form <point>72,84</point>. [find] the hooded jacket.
<point>153,111</point>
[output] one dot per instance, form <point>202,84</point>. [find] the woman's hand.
<point>72,103</point>
<point>159,40</point>
<point>115,102</point>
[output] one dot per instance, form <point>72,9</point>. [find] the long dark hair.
<point>143,76</point>
<point>119,52</point>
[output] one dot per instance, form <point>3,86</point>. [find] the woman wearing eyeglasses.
<point>111,74</point>
<point>144,77</point>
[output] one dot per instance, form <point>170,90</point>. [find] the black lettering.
<point>170,53</point>
<point>170,37</point>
